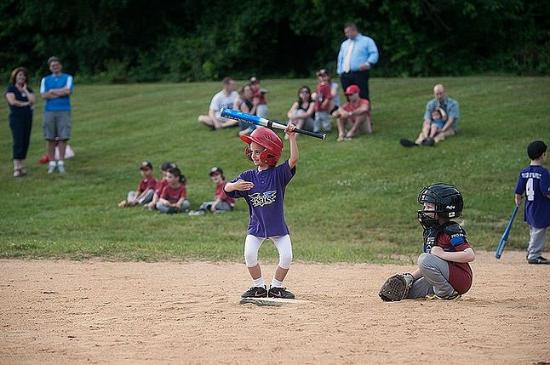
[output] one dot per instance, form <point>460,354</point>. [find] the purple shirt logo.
<point>261,199</point>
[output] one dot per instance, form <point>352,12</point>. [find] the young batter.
<point>263,188</point>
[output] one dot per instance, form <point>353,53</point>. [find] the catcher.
<point>443,271</point>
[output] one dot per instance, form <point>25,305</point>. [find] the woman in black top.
<point>20,99</point>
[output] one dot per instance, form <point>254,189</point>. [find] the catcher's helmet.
<point>269,140</point>
<point>447,200</point>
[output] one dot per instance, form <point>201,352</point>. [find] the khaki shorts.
<point>57,125</point>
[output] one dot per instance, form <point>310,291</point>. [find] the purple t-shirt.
<point>534,181</point>
<point>265,199</point>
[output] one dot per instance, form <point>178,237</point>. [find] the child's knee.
<point>251,259</point>
<point>423,260</point>
<point>285,260</point>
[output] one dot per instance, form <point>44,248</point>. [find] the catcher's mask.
<point>269,140</point>
<point>447,202</point>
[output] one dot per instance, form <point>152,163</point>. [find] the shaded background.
<point>142,40</point>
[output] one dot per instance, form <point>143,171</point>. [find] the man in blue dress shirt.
<point>357,55</point>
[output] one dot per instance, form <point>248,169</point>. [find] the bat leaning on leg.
<point>504,238</point>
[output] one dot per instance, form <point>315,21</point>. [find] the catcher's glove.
<point>396,287</point>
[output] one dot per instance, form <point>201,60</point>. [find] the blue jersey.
<point>265,199</point>
<point>60,81</point>
<point>534,181</point>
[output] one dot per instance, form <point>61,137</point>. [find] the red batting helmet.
<point>269,140</point>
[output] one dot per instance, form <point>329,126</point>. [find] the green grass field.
<point>349,202</point>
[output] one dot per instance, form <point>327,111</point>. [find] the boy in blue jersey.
<point>534,181</point>
<point>56,89</point>
<point>263,188</point>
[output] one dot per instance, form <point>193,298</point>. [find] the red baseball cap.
<point>352,89</point>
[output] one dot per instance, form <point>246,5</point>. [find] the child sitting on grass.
<point>145,190</point>
<point>160,184</point>
<point>222,203</point>
<point>173,198</point>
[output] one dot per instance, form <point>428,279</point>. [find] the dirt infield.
<point>170,312</point>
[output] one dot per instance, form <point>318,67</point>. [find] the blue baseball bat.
<point>254,119</point>
<point>504,238</point>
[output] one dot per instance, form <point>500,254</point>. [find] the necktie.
<point>347,57</point>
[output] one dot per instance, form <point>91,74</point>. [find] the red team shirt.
<point>147,184</point>
<point>460,273</point>
<point>220,194</point>
<point>160,185</point>
<point>349,107</point>
<point>323,92</point>
<point>173,195</point>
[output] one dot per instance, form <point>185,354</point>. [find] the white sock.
<point>60,163</point>
<point>276,283</point>
<point>52,163</point>
<point>259,283</point>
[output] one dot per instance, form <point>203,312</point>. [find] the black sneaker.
<point>539,261</point>
<point>280,293</point>
<point>255,292</point>
<point>428,142</point>
<point>407,143</point>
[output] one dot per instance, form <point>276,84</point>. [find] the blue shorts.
<point>439,123</point>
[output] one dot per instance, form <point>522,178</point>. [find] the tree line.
<point>188,40</point>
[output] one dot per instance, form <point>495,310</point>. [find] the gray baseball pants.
<point>434,280</point>
<point>536,242</point>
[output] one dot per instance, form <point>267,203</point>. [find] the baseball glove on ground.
<point>396,287</point>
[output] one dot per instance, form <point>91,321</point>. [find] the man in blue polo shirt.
<point>56,89</point>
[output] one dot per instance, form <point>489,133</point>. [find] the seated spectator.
<point>439,117</point>
<point>323,103</point>
<point>246,103</point>
<point>145,190</point>
<point>301,112</point>
<point>259,97</point>
<point>173,198</point>
<point>160,184</point>
<point>449,108</point>
<point>224,99</point>
<point>221,203</point>
<point>354,112</point>
<point>335,101</point>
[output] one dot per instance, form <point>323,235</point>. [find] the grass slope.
<point>353,201</point>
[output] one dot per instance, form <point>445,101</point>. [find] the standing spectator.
<point>355,111</point>
<point>20,99</point>
<point>323,103</point>
<point>301,112</point>
<point>224,99</point>
<point>356,57</point>
<point>246,103</point>
<point>259,96</point>
<point>449,109</point>
<point>56,90</point>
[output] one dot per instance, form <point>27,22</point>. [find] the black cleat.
<point>281,293</point>
<point>539,261</point>
<point>255,292</point>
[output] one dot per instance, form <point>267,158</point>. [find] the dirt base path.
<point>169,312</point>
